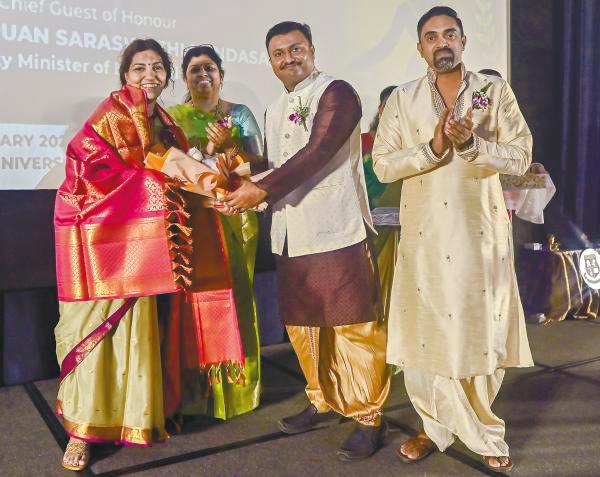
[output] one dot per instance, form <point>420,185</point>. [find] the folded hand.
<point>459,131</point>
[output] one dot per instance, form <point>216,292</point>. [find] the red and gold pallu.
<point>123,231</point>
<point>182,386</point>
<point>119,228</point>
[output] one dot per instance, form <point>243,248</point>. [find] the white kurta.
<point>455,308</point>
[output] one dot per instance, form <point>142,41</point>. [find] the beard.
<point>446,62</point>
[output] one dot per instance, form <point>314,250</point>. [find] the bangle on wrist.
<point>232,152</point>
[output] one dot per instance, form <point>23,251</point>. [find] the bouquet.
<point>213,176</point>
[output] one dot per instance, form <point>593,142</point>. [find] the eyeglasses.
<point>203,45</point>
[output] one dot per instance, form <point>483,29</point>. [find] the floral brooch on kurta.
<point>300,114</point>
<point>480,100</point>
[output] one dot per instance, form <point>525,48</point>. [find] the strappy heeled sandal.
<point>79,448</point>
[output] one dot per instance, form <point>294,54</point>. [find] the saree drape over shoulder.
<point>112,216</point>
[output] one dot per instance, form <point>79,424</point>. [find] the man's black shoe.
<point>363,442</point>
<point>303,421</point>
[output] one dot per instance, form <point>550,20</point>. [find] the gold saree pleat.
<point>115,394</point>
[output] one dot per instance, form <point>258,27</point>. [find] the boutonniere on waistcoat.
<point>480,99</point>
<point>300,114</point>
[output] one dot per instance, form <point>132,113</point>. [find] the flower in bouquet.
<point>300,114</point>
<point>226,122</point>
<point>480,99</point>
<point>194,122</point>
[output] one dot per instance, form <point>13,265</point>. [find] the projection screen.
<point>59,58</point>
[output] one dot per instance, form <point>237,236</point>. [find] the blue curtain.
<point>578,185</point>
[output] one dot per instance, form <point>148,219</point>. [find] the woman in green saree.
<point>205,118</point>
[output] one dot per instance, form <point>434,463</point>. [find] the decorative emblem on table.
<point>553,244</point>
<point>589,266</point>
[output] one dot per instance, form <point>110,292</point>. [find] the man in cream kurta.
<point>326,273</point>
<point>456,319</point>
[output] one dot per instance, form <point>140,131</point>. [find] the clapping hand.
<point>440,142</point>
<point>459,131</point>
<point>218,137</point>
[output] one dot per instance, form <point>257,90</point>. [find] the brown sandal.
<point>80,448</point>
<point>425,446</point>
<point>503,468</point>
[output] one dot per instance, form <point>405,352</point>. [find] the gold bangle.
<point>232,152</point>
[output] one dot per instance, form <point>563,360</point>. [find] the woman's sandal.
<point>503,468</point>
<point>79,448</point>
<point>424,450</point>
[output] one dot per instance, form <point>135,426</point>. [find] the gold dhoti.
<point>115,394</point>
<point>459,407</point>
<point>345,368</point>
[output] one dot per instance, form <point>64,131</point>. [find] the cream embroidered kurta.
<point>455,308</point>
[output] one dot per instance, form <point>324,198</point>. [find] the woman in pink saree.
<point>124,234</point>
<point>114,253</point>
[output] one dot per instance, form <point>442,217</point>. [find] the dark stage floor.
<point>552,413</point>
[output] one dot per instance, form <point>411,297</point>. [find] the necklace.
<point>216,112</point>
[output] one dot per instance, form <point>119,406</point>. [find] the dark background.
<point>555,73</point>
